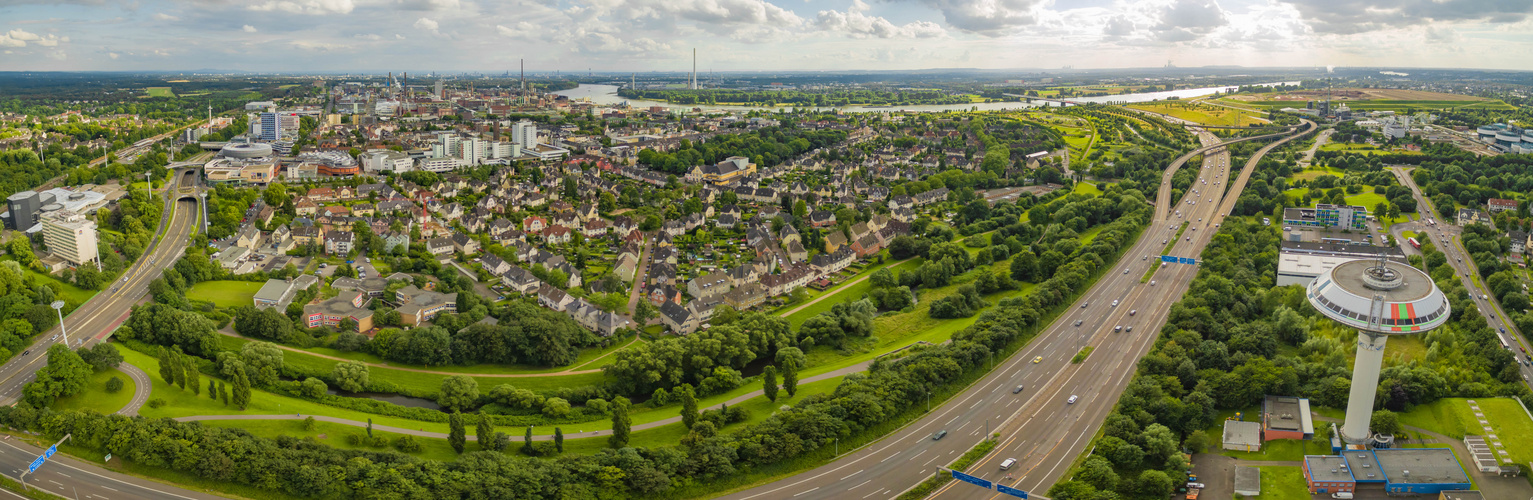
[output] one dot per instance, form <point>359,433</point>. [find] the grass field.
<point>1313,172</point>
<point>160,92</point>
<point>847,293</point>
<point>1281,483</point>
<point>1367,199</point>
<point>225,293</point>
<point>95,396</point>
<point>1088,188</point>
<point>1201,113</point>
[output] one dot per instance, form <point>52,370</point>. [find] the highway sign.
<point>35,464</point>
<point>50,451</point>
<point>1187,260</point>
<point>971,480</point>
<point>1167,258</point>
<point>1010,491</point>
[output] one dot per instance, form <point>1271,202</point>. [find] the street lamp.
<point>58,305</point>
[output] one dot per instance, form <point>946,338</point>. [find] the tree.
<point>455,435</point>
<point>223,392</point>
<point>559,439</point>
<point>769,383</point>
<point>620,424</point>
<point>213,389</point>
<point>264,362</point>
<point>101,356</point>
<point>193,375</point>
<point>350,376</point>
<point>527,442</point>
<point>1154,484</point>
<point>643,311</point>
<point>177,367</point>
<point>790,359</point>
<point>485,431</point>
<point>167,370</point>
<point>65,375</point>
<point>1196,442</point>
<point>1385,422</point>
<point>458,392</point>
<point>1098,472</point>
<point>688,405</point>
<point>313,387</point>
<point>241,390</point>
<point>113,385</point>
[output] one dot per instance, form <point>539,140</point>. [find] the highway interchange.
<point>1037,426</point>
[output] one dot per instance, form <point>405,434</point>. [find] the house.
<point>834,241</point>
<point>520,280</point>
<point>831,263</point>
<point>822,218</point>
<point>347,305</point>
<point>417,305</point>
<point>627,267</point>
<point>678,318</point>
<point>392,240</point>
<point>1240,435</point>
<point>1519,241</point>
<point>708,285</point>
<point>604,323</point>
<point>494,264</point>
<point>865,246</point>
<point>534,223</point>
<point>660,293</point>
<point>339,242</point>
<point>662,272</point>
<point>248,236</point>
<point>306,235</point>
<point>1500,205</point>
<point>465,243</point>
<point>557,234</point>
<point>745,297</point>
<point>439,246</point>
<point>306,207</point>
<point>554,298</point>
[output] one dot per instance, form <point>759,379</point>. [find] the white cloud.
<point>369,36</point>
<point>112,55</point>
<point>311,7</point>
<point>20,38</point>
<point>319,46</point>
<point>523,30</point>
<point>426,23</point>
<point>161,16</point>
<point>988,17</point>
<point>57,55</point>
<point>429,4</point>
<point>856,23</point>
<point>248,29</point>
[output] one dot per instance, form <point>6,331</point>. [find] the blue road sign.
<point>51,450</point>
<point>971,480</point>
<point>1167,258</point>
<point>1187,260</point>
<point>35,464</point>
<point>1010,491</point>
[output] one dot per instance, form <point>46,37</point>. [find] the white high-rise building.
<point>525,134</point>
<point>70,236</point>
<point>505,150</point>
<point>451,144</point>
<point>474,150</point>
<point>439,90</point>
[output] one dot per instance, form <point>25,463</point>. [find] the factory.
<point>1403,471</point>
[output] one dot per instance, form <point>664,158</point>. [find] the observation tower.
<point>1379,298</point>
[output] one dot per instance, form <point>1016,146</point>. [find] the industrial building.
<point>1419,471</point>
<point>25,208</point>
<point>1241,435</point>
<point>70,236</point>
<point>1506,138</point>
<point>1286,417</point>
<point>1300,262</point>
<point>1328,474</point>
<point>1326,215</point>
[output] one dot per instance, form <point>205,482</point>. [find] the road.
<point>71,478</point>
<point>97,318</point>
<point>1446,237</point>
<point>142,386</point>
<point>1037,425</point>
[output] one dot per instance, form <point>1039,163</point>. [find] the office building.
<point>25,207</point>
<point>274,126</point>
<point>1324,215</point>
<point>525,134</point>
<point>70,236</point>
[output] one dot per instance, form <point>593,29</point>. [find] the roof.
<point>1364,466</point>
<point>1247,479</point>
<point>273,290</point>
<point>1421,466</point>
<point>1463,495</point>
<point>1414,306</point>
<point>1286,413</point>
<point>1242,432</point>
<point>1328,468</point>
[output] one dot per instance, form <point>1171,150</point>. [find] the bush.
<point>407,444</point>
<point>113,385</point>
<point>156,403</point>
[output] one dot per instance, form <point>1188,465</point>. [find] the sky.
<point>757,35</point>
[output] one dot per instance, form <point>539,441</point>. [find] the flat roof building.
<point>1421,470</point>
<point>1326,215</point>
<point>1286,417</point>
<point>70,236</point>
<point>1328,474</point>
<point>1241,435</point>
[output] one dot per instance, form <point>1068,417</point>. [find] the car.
<point>1189,238</point>
<point>1037,359</point>
<point>1072,400</point>
<point>368,260</point>
<point>1118,328</point>
<point>1152,282</point>
<point>1144,258</point>
<point>26,352</point>
<point>1128,329</point>
<point>1115,303</point>
<point>351,261</point>
<point>1078,322</point>
<point>124,279</point>
<point>1016,390</point>
<point>1006,464</point>
<point>1084,304</point>
<point>323,265</point>
<point>939,435</point>
<point>1125,271</point>
<point>1131,312</point>
<point>1167,240</point>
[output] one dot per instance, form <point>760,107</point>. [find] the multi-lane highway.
<point>95,320</point>
<point>1039,425</point>
<point>1446,237</point>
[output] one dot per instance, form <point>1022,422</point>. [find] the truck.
<point>1414,243</point>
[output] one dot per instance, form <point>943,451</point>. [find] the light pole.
<point>58,305</point>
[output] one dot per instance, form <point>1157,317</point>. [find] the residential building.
<point>280,293</point>
<point>417,305</point>
<point>70,236</point>
<point>347,305</point>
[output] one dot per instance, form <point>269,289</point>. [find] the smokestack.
<point>694,68</point>
<point>524,82</point>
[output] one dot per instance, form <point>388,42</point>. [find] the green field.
<point>160,92</point>
<point>1366,199</point>
<point>1202,113</point>
<point>225,293</point>
<point>1281,483</point>
<point>95,396</point>
<point>1396,105</point>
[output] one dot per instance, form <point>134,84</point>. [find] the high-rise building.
<point>505,150</point>
<point>525,134</point>
<point>24,208</point>
<point>474,150</point>
<point>440,91</point>
<point>70,236</point>
<point>268,126</point>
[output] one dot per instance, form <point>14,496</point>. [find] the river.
<point>607,95</point>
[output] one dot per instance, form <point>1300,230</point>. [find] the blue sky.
<point>658,35</point>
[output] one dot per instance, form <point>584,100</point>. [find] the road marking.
<point>807,491</point>
<point>890,456</point>
<point>859,485</point>
<point>848,476</point>
<point>873,493</point>
<point>929,462</point>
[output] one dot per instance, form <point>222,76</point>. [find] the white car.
<point>1072,399</point>
<point>1115,303</point>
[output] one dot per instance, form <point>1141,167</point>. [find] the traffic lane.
<point>64,476</point>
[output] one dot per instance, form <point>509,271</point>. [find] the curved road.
<point>142,386</point>
<point>1037,426</point>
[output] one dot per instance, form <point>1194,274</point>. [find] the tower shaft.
<point>1365,383</point>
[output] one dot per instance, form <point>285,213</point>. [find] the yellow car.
<point>1037,359</point>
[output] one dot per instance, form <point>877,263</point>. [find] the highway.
<point>1038,425</point>
<point>94,321</point>
<point>1446,237</point>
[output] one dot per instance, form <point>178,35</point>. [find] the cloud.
<point>57,55</point>
<point>603,43</point>
<point>20,38</point>
<point>161,16</point>
<point>425,23</point>
<point>318,46</point>
<point>1358,16</point>
<point>248,29</point>
<point>368,36</point>
<point>310,7</point>
<point>428,4</point>
<point>1118,26</point>
<point>112,55</point>
<point>855,23</point>
<point>1191,17</point>
<point>987,17</point>
<point>523,31</point>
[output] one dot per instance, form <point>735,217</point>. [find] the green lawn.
<point>1281,483</point>
<point>95,396</point>
<point>1450,417</point>
<point>845,293</point>
<point>1313,172</point>
<point>1366,200</point>
<point>1283,449</point>
<point>160,92</point>
<point>1087,188</point>
<point>225,293</point>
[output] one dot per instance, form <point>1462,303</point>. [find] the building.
<point>1325,215</point>
<point>25,207</point>
<point>1421,471</point>
<point>1300,262</point>
<point>1467,216</point>
<point>1286,417</point>
<point>70,236</point>
<point>1460,495</point>
<point>417,305</point>
<point>1248,481</point>
<point>525,134</point>
<point>386,160</point>
<point>709,285</point>
<point>1241,435</point>
<point>1328,474</point>
<point>347,305</point>
<point>280,293</point>
<point>1500,205</point>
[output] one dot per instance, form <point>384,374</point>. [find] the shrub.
<point>113,385</point>
<point>156,403</point>
<point>407,444</point>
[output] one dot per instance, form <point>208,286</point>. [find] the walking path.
<point>537,437</point>
<point>141,388</point>
<point>231,333</point>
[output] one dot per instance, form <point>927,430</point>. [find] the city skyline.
<point>746,35</point>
